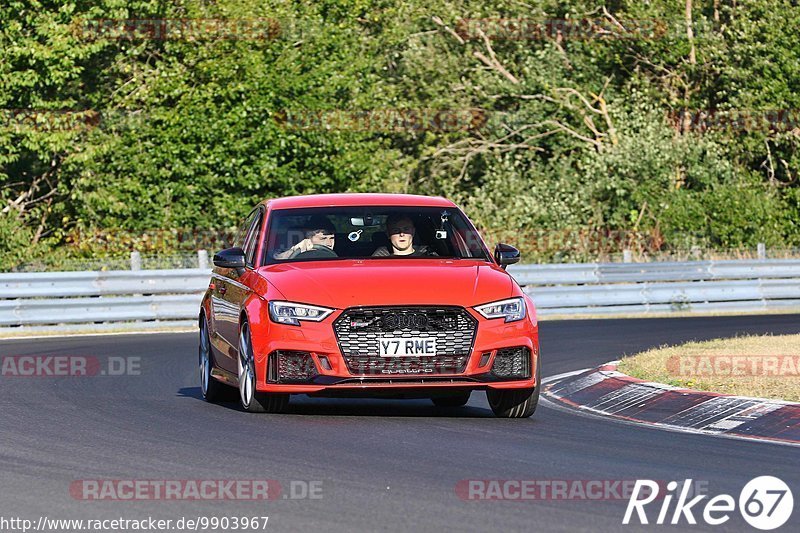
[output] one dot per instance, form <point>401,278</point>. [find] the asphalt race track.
<point>384,465</point>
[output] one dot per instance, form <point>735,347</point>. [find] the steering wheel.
<point>318,251</point>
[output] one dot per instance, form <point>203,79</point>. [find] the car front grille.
<point>358,330</point>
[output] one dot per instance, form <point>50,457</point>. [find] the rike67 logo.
<point>765,503</point>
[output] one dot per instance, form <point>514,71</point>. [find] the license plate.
<point>407,346</point>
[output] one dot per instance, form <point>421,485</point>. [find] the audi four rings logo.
<point>405,320</point>
<point>394,321</point>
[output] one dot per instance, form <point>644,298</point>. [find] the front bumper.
<point>330,372</point>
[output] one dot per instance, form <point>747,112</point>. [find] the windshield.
<point>379,233</point>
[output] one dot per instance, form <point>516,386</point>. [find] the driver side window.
<point>244,231</point>
<point>251,240</point>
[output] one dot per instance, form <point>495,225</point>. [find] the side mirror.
<point>230,258</point>
<point>505,254</point>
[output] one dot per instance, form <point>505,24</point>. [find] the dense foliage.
<point>567,128</point>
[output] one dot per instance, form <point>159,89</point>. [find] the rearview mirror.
<point>505,254</point>
<point>230,258</point>
<point>367,221</point>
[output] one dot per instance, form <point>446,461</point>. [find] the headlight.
<point>512,309</point>
<point>292,313</point>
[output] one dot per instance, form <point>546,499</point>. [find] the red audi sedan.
<point>385,295</point>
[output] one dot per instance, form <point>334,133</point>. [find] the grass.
<point>755,366</point>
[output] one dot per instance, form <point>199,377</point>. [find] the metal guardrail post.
<point>136,261</point>
<point>202,259</point>
<point>762,251</point>
<point>627,257</point>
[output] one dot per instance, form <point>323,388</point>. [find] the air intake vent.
<point>512,363</point>
<point>291,367</point>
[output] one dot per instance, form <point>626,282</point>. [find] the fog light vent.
<point>291,367</point>
<point>512,363</point>
<point>323,361</point>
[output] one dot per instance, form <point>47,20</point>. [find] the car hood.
<point>347,283</point>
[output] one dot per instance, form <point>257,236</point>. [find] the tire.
<point>251,400</point>
<point>453,400</point>
<point>213,391</point>
<point>515,403</point>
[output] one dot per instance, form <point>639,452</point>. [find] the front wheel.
<point>513,403</point>
<point>212,390</point>
<point>516,403</point>
<point>251,400</point>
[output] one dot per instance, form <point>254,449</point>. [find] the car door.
<point>228,295</point>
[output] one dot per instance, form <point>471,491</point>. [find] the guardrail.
<point>154,297</point>
<point>641,288</point>
<point>30,299</point>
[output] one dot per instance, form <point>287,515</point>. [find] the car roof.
<point>357,199</point>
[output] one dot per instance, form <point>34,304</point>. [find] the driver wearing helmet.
<point>319,235</point>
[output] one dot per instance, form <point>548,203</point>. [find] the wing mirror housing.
<point>230,258</point>
<point>505,254</point>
